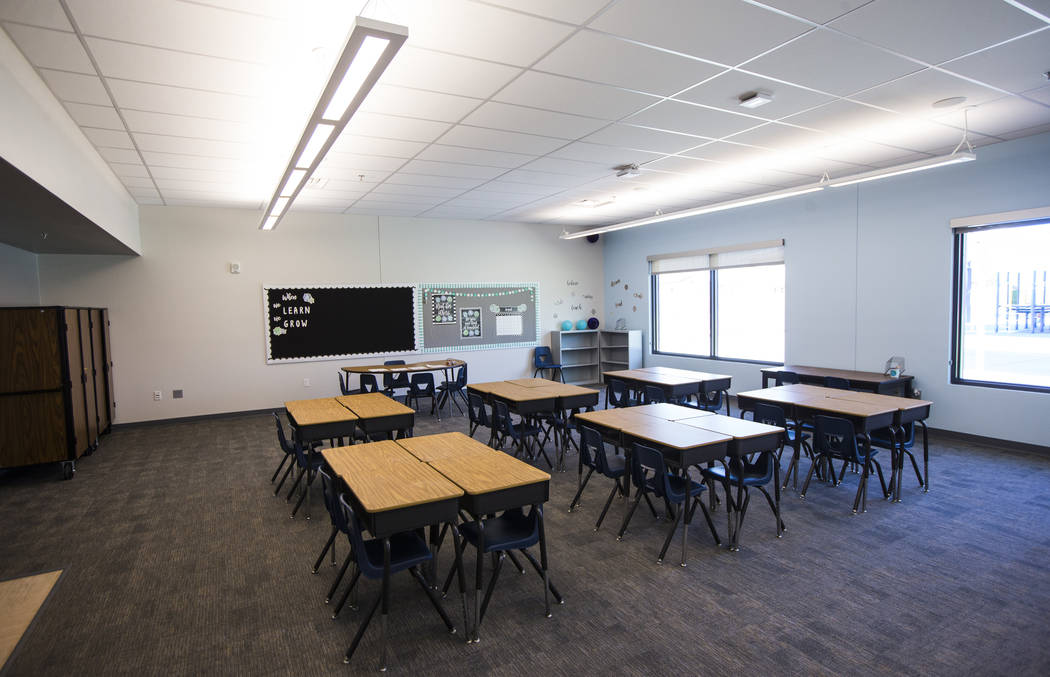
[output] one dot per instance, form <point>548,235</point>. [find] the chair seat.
<point>406,551</point>
<point>615,466</point>
<point>750,479</point>
<point>678,485</point>
<point>513,530</point>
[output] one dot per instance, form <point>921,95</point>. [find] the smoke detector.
<point>755,99</point>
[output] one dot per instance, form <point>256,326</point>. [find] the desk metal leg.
<point>458,545</point>
<point>925,457</point>
<point>543,563</point>
<point>479,574</point>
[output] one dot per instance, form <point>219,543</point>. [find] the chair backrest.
<point>711,401</point>
<point>654,395</point>
<point>369,383</point>
<point>301,455</point>
<point>542,356</point>
<point>645,460</point>
<point>395,380</point>
<point>285,444</point>
<point>331,500</point>
<point>476,410</point>
<point>344,382</point>
<point>591,448</point>
<point>835,436</point>
<point>770,414</point>
<point>786,377</point>
<point>353,529</point>
<point>422,383</point>
<point>501,418</point>
<point>836,382</point>
<point>461,377</point>
<point>616,393</point>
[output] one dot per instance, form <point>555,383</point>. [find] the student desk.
<point>867,380</point>
<point>676,383</point>
<point>569,399</point>
<point>320,419</point>
<point>670,412</point>
<point>531,382</point>
<point>446,367</point>
<point>391,492</point>
<point>491,482</point>
<point>378,413</point>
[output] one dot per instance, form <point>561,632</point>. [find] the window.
<point>1001,299</point>
<point>720,303</point>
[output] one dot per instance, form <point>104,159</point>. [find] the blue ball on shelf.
<point>566,325</point>
<point>582,324</point>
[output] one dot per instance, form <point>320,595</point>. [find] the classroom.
<point>794,251</point>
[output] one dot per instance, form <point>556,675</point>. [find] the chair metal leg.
<point>298,479</point>
<point>539,570</point>
<point>497,566</point>
<point>346,595</point>
<point>291,467</point>
<point>433,599</point>
<point>652,508</point>
<point>581,483</point>
<point>361,630</point>
<point>516,563</point>
<point>809,476</point>
<point>630,513</point>
<point>670,535</point>
<point>608,502</point>
<point>707,517</point>
<point>275,472</point>
<point>339,577</point>
<point>328,544</point>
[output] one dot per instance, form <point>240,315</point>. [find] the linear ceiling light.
<point>696,211</point>
<point>918,166</point>
<point>369,50</point>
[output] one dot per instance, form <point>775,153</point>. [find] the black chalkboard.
<point>315,323</point>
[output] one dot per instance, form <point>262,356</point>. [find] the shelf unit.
<point>619,349</point>
<point>577,353</point>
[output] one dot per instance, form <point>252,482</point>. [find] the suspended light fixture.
<point>369,50</point>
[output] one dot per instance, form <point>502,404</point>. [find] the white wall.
<point>19,285</point>
<point>180,320</point>
<point>38,137</point>
<point>868,276</point>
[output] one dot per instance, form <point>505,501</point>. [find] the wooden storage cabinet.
<point>56,393</point>
<point>577,353</point>
<point>620,349</point>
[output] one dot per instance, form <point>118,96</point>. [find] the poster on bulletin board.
<point>477,316</point>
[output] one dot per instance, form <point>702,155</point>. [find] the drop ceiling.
<point>517,110</point>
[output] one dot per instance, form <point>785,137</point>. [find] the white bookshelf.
<point>577,352</point>
<point>619,349</point>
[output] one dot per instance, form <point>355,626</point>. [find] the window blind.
<point>735,256</point>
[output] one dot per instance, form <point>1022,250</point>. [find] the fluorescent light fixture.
<point>320,136</point>
<point>292,184</point>
<point>755,99</point>
<point>696,211</point>
<point>369,50</point>
<point>918,166</point>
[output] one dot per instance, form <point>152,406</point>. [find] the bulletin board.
<point>478,316</point>
<point>336,322</point>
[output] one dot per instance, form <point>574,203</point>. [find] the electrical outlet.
<point>306,383</point>
<point>156,396</point>
<point>176,394</point>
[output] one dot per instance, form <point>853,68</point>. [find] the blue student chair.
<point>422,385</point>
<point>339,525</point>
<point>407,552</point>
<point>289,453</point>
<point>618,395</point>
<point>308,462</point>
<point>592,456</point>
<point>543,359</point>
<point>344,382</point>
<point>884,439</point>
<point>649,475</point>
<point>520,433</point>
<point>392,383</point>
<point>449,390</point>
<point>369,384</point>
<point>477,413</point>
<point>834,439</point>
<point>836,382</point>
<point>784,378</point>
<point>653,395</point>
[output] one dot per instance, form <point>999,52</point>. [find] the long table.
<point>868,413</point>
<point>446,367</point>
<point>676,383</point>
<point>872,381</point>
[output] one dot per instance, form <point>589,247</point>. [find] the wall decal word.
<point>572,283</point>
<point>619,304</point>
<point>614,283</point>
<point>578,306</point>
<point>588,296</point>
<point>637,295</point>
<point>625,287</point>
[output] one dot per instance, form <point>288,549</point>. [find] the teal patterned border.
<point>512,287</point>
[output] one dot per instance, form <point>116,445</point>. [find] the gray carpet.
<point>180,561</point>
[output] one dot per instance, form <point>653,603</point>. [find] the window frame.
<point>713,319</point>
<point>958,263</point>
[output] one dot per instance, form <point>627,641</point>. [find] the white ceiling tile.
<point>183,174</point>
<point>373,211</point>
<point>394,190</point>
<point>554,92</point>
<point>108,138</point>
<point>149,201</point>
<point>405,179</point>
<point>454,212</point>
<point>724,91</point>
<point>515,188</point>
<point>50,49</point>
<point>936,30</point>
<point>365,203</point>
<point>403,200</point>
<point>42,13</point>
<point>348,143</point>
<point>998,118</point>
<point>148,64</point>
<point>87,115</point>
<point>76,87</point>
<point>1021,133</point>
<point>543,178</point>
<point>129,169</point>
<point>607,60</point>
<point>532,121</point>
<point>740,31</point>
<point>336,160</point>
<point>196,127</point>
<point>350,184</point>
<point>492,139</point>
<point>141,191</point>
<point>686,118</point>
<point>447,73</point>
<point>574,12</point>
<point>166,185</point>
<point>394,127</point>
<point>652,140</point>
<point>181,101</point>
<point>418,103</point>
<point>777,136</point>
<point>816,61</point>
<point>193,198</point>
<point>508,37</point>
<point>205,147</point>
<point>1042,95</point>
<point>858,151</point>
<point>915,94</point>
<point>474,156</point>
<point>608,155</point>
<point>452,169</point>
<point>119,155</point>
<point>570,167</point>
<point>818,11</point>
<point>188,161</point>
<point>1016,66</point>
<point>137,182</point>
<point>348,179</point>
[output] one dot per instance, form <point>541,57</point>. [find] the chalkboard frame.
<point>416,326</point>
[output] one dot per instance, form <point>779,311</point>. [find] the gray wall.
<point>19,285</point>
<point>868,276</point>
